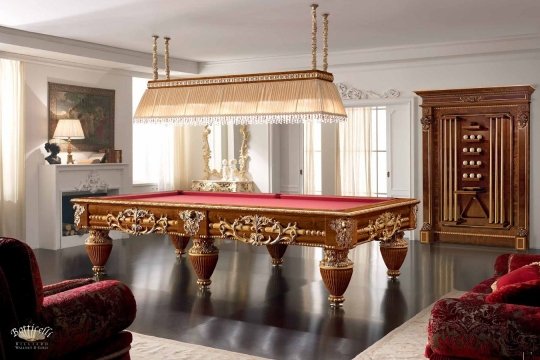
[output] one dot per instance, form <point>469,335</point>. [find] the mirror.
<point>220,143</point>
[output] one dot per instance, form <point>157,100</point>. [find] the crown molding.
<point>57,48</point>
<point>384,55</point>
<point>76,64</point>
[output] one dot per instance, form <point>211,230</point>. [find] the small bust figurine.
<point>54,149</point>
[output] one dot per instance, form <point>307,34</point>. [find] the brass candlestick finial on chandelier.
<point>282,97</point>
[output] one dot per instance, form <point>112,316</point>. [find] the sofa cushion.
<point>522,293</point>
<point>522,274</point>
<point>515,261</point>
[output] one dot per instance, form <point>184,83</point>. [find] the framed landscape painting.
<point>93,107</point>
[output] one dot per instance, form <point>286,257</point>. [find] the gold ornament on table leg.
<point>203,256</point>
<point>276,252</point>
<point>98,247</point>
<point>393,253</point>
<point>180,244</point>
<point>336,271</point>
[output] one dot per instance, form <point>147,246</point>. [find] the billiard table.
<point>335,223</point>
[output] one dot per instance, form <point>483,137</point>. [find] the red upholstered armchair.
<point>76,319</point>
<point>491,324</point>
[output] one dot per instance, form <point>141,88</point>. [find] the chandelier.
<point>264,98</point>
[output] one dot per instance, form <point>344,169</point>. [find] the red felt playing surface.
<point>309,202</point>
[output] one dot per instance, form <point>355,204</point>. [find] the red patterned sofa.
<point>75,319</point>
<point>491,324</point>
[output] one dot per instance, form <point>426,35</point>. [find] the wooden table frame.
<point>337,232</point>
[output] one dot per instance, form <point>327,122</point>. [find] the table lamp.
<point>68,129</point>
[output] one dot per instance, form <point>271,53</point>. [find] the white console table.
<point>56,181</point>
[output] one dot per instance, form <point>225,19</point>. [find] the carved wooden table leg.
<point>180,244</point>
<point>98,247</point>
<point>393,252</point>
<point>336,271</point>
<point>276,252</point>
<point>204,256</point>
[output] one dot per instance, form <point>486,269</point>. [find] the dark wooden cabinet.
<point>476,166</point>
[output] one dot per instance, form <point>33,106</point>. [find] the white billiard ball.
<point>478,176</point>
<point>465,137</point>
<point>464,176</point>
<point>478,149</point>
<point>471,162</point>
<point>471,175</point>
<point>464,162</point>
<point>478,162</point>
<point>471,149</point>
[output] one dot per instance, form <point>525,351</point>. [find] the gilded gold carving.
<point>79,210</point>
<point>426,122</point>
<point>154,58</point>
<point>222,186</point>
<point>426,227</point>
<point>98,237</point>
<point>523,119</point>
<point>414,216</point>
<point>522,232</point>
<point>384,227</point>
<point>257,225</point>
<point>333,258</point>
<point>137,222</point>
<point>344,229</point>
<point>192,220</point>
<point>471,98</point>
<point>397,242</point>
<point>203,246</point>
<point>243,157</point>
<point>242,173</point>
<point>238,79</point>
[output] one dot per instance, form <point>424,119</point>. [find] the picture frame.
<point>94,107</point>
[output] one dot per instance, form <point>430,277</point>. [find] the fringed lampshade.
<point>282,98</point>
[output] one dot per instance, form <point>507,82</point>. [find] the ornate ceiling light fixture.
<point>281,97</point>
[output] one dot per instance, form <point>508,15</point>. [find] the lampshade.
<point>68,129</point>
<point>285,97</point>
<point>282,97</point>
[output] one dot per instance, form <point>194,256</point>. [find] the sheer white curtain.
<point>309,160</point>
<point>11,150</point>
<point>355,153</point>
<point>160,156</point>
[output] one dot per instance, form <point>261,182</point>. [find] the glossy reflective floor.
<point>275,312</point>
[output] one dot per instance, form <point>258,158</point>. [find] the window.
<point>153,148</point>
<point>362,148</point>
<point>313,159</point>
<point>379,156</point>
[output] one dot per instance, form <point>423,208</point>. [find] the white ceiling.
<point>217,30</point>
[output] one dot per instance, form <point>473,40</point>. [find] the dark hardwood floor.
<point>276,312</point>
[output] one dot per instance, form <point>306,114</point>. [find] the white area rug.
<point>145,347</point>
<point>407,341</point>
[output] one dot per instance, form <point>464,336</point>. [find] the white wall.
<point>497,69</point>
<point>36,77</point>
